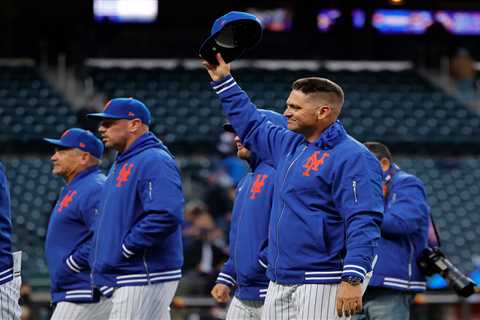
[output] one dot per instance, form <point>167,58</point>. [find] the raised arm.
<point>258,134</point>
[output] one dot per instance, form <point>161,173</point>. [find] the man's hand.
<point>217,72</point>
<point>221,293</point>
<point>349,299</point>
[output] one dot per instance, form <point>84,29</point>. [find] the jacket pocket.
<point>64,276</point>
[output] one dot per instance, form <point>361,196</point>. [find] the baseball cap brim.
<point>210,48</point>
<point>244,33</point>
<point>58,143</point>
<point>103,115</point>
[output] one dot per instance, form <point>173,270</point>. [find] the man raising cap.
<point>67,247</point>
<point>327,205</point>
<point>138,242</point>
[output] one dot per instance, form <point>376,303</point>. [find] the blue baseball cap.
<point>272,116</point>
<point>81,139</point>
<point>124,108</point>
<point>231,35</point>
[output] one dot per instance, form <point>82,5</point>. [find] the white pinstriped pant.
<point>79,311</point>
<point>127,303</point>
<point>245,309</point>
<point>9,295</point>
<point>301,302</point>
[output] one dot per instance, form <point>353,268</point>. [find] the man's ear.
<point>135,125</point>
<point>323,112</point>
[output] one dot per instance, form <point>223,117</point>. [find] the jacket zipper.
<point>95,252</point>
<point>150,189</point>
<point>100,219</point>
<point>283,209</point>
<point>354,187</point>
<point>410,260</point>
<point>237,235</point>
<point>145,265</point>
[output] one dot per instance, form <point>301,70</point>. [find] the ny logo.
<point>258,185</point>
<point>313,162</point>
<point>124,174</point>
<point>66,200</point>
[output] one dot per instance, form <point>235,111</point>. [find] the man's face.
<point>242,152</point>
<point>65,161</point>
<point>301,113</point>
<point>114,133</point>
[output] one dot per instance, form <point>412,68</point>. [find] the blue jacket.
<point>6,260</point>
<point>328,203</point>
<point>69,237</point>
<point>246,267</point>
<point>138,238</point>
<point>404,233</point>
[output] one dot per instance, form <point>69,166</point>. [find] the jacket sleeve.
<point>5,201</point>
<point>161,196</point>
<point>407,209</point>
<point>79,259</point>
<point>256,133</point>
<point>228,273</point>
<point>357,193</point>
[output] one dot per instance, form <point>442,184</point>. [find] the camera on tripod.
<point>433,260</point>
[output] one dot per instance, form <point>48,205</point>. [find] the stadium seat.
<point>402,108</point>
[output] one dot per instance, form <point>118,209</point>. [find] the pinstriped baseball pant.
<point>127,303</point>
<point>79,311</point>
<point>143,302</point>
<point>301,302</point>
<point>9,295</point>
<point>244,309</point>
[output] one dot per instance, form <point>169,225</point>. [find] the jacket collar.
<point>388,175</point>
<point>331,136</point>
<point>83,174</point>
<point>146,141</point>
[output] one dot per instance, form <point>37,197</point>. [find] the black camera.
<point>433,260</point>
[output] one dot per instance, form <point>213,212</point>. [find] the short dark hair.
<point>379,150</point>
<point>329,89</point>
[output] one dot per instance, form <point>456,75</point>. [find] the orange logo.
<point>385,189</point>
<point>66,200</point>
<point>131,114</point>
<point>313,162</point>
<point>82,145</point>
<point>258,185</point>
<point>124,174</point>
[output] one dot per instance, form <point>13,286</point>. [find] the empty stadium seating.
<point>33,191</point>
<point>397,107</point>
<point>29,107</point>
<point>452,190</point>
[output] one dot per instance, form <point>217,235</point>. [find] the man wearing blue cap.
<point>328,202</point>
<point>138,256</point>
<point>67,247</point>
<point>245,269</point>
